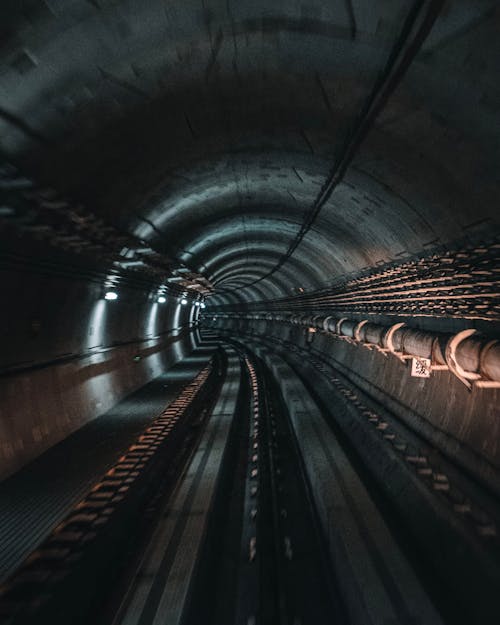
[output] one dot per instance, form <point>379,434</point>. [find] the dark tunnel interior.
<point>250,312</point>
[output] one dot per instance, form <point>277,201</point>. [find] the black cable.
<point>400,59</point>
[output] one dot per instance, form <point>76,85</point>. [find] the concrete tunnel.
<point>250,364</point>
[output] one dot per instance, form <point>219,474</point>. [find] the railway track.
<point>444,518</point>
<point>245,503</point>
<point>372,579</point>
<point>282,574</point>
<point>267,547</point>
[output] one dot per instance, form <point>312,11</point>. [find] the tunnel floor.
<point>240,488</point>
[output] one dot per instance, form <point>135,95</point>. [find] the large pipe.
<point>468,355</point>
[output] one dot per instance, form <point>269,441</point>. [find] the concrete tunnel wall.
<point>69,355</point>
<point>205,133</point>
<point>208,133</point>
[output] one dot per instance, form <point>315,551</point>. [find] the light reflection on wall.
<point>192,313</point>
<point>151,328</point>
<point>98,389</point>
<point>175,324</point>
<point>154,361</point>
<point>177,314</point>
<point>194,338</point>
<point>96,327</point>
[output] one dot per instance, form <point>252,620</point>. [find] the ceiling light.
<point>111,295</point>
<point>184,301</point>
<point>162,300</point>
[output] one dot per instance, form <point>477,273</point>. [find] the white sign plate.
<point>420,368</point>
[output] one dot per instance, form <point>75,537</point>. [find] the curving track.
<point>247,502</point>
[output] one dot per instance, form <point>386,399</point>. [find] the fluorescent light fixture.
<point>110,295</point>
<point>184,301</point>
<point>162,300</point>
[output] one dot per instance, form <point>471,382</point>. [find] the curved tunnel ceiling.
<point>208,130</point>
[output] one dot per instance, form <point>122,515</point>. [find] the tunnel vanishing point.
<point>250,312</point>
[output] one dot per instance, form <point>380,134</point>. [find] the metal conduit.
<point>474,359</point>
